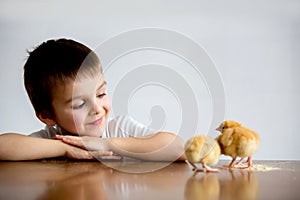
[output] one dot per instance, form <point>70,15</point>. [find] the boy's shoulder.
<point>48,132</point>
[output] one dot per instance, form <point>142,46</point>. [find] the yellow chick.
<point>236,141</point>
<point>204,150</point>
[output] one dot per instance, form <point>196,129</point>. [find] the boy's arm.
<point>161,146</point>
<point>21,147</point>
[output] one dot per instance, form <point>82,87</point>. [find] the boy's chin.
<point>94,133</point>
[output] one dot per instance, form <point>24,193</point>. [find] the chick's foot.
<point>209,169</point>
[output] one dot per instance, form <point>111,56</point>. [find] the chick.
<point>236,141</point>
<point>204,150</point>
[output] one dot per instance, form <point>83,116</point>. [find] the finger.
<point>61,137</point>
<point>79,154</point>
<point>98,154</point>
<point>105,155</point>
<point>87,156</point>
<point>71,140</point>
<point>58,137</point>
<point>75,141</point>
<point>111,157</point>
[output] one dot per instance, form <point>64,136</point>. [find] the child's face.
<point>82,107</point>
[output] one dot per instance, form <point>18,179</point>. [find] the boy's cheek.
<point>107,105</point>
<point>77,122</point>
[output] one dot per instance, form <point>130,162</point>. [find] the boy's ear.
<point>46,118</point>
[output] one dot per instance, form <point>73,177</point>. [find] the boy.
<point>66,86</point>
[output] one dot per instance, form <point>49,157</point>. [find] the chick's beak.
<point>219,129</point>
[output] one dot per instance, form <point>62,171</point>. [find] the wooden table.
<point>58,179</point>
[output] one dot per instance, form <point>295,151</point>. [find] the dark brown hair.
<point>56,62</point>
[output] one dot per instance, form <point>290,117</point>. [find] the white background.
<point>254,45</point>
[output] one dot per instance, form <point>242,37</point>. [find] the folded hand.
<point>97,147</point>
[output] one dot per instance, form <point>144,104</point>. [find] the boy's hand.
<point>97,147</point>
<point>77,153</point>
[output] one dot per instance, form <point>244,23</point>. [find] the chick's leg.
<point>231,165</point>
<point>239,164</point>
<point>240,161</point>
<point>249,161</point>
<point>245,165</point>
<point>209,169</point>
<point>195,168</point>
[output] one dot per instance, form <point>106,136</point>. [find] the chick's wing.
<point>226,138</point>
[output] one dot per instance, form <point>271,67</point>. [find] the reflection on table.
<point>54,179</point>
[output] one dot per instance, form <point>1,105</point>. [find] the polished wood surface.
<point>53,179</point>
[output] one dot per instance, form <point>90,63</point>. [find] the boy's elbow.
<point>175,144</point>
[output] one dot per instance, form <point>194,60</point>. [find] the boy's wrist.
<point>107,144</point>
<point>62,148</point>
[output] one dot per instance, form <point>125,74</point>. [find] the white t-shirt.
<point>121,126</point>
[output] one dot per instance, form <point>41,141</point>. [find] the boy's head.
<point>51,69</point>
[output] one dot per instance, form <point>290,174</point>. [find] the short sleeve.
<point>48,132</point>
<point>126,126</point>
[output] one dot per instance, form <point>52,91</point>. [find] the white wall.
<point>253,44</point>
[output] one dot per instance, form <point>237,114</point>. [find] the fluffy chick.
<point>236,141</point>
<point>204,150</point>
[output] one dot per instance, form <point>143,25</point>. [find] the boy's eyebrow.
<point>102,84</point>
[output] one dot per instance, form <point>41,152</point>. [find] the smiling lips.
<point>97,122</point>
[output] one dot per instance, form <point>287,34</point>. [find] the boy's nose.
<point>97,107</point>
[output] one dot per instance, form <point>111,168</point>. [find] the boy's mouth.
<point>96,122</point>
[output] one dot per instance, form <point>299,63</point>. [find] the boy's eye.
<point>101,95</point>
<point>76,107</point>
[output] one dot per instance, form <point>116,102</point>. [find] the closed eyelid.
<point>102,88</point>
<point>78,106</point>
